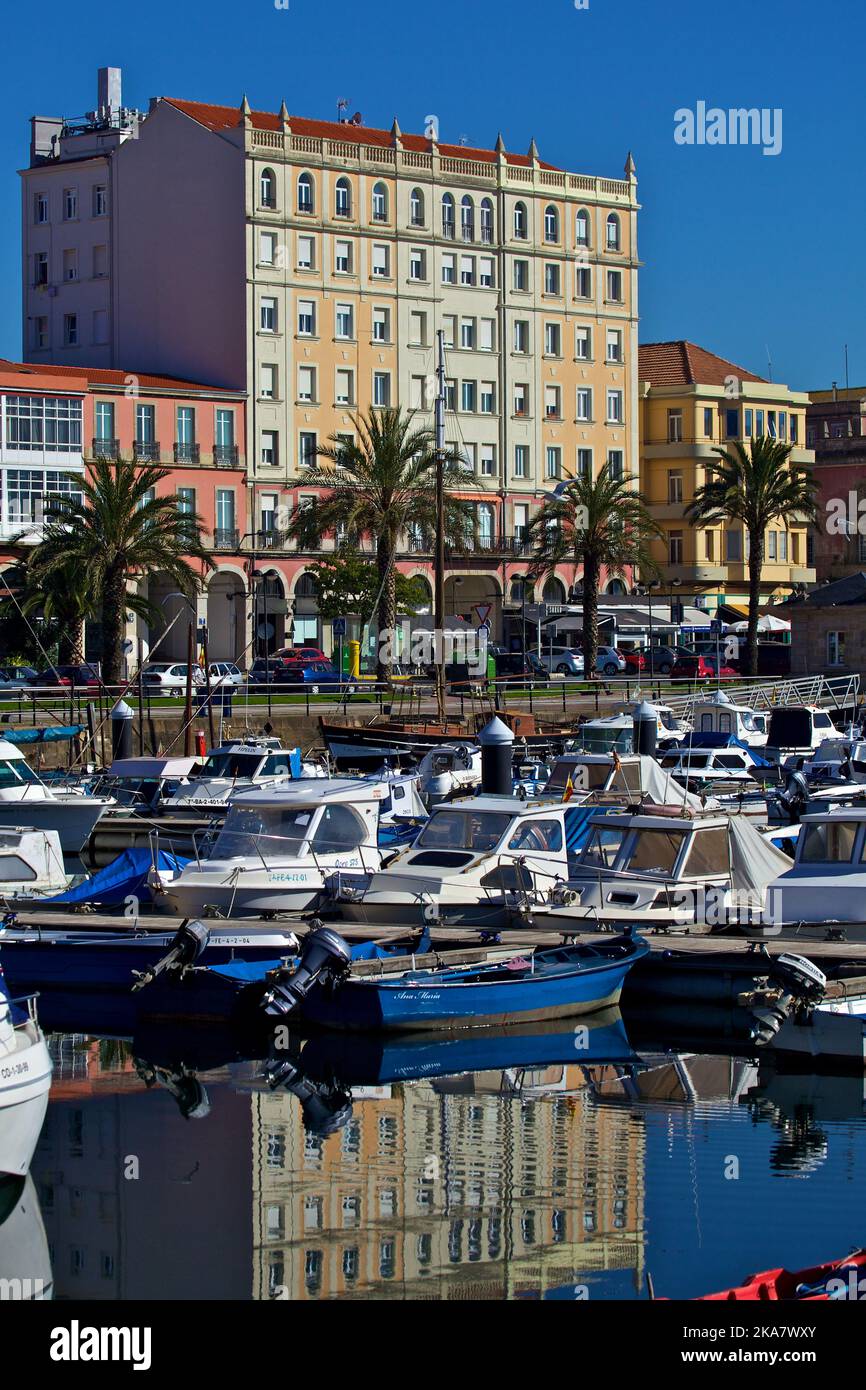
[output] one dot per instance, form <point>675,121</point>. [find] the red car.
<point>66,675</point>
<point>301,655</point>
<point>634,661</point>
<point>701,668</point>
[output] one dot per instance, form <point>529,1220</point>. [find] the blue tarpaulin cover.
<point>56,734</point>
<point>249,972</point>
<point>126,877</point>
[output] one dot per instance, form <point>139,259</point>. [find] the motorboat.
<point>25,1080</point>
<point>614,733</point>
<point>717,714</point>
<point>279,847</point>
<point>31,863</point>
<point>796,732</point>
<point>657,865</point>
<point>233,767</point>
<point>143,784</point>
<point>25,1257</point>
<point>471,858</point>
<point>827,881</point>
<point>25,799</point>
<point>454,769</point>
<point>837,1279</point>
<point>717,770</point>
<point>607,777</point>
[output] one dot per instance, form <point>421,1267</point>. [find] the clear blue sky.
<point>742,252</point>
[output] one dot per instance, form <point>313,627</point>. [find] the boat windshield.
<point>16,773</point>
<point>231,765</point>
<point>668,719</point>
<point>601,848</point>
<point>252,830</point>
<point>584,776</point>
<point>652,851</point>
<point>480,831</point>
<point>828,842</point>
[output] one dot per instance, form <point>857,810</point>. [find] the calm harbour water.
<point>562,1180</point>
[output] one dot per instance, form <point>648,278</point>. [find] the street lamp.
<point>652,584</point>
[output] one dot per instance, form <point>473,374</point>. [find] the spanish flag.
<point>569,790</point>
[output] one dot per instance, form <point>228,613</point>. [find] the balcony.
<point>225,455</point>
<point>489,546</point>
<point>106,449</point>
<point>226,538</point>
<point>146,451</point>
<point>187,453</point>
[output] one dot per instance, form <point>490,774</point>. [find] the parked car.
<point>324,673</point>
<point>169,677</point>
<point>609,662</point>
<point>508,663</point>
<point>301,654</point>
<point>269,670</point>
<point>634,660</point>
<point>225,673</point>
<point>700,668</point>
<point>560,661</point>
<point>17,675</point>
<point>660,661</point>
<point>58,676</point>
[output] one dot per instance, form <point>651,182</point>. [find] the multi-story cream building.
<point>312,264</point>
<point>692,404</point>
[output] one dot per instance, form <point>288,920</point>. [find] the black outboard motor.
<point>795,796</point>
<point>191,940</point>
<point>324,956</point>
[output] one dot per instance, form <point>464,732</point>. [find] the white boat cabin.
<point>797,729</point>
<point>827,882</point>
<point>718,715</point>
<point>247,763</point>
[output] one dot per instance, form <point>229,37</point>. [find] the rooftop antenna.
<point>769,362</point>
<point>342,108</point>
<point>846,371</point>
<point>464,140</point>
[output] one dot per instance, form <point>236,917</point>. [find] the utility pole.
<point>439,555</point>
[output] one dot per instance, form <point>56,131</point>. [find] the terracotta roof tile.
<point>105,376</point>
<point>229,118</point>
<point>682,363</point>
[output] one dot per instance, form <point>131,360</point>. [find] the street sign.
<point>483,610</point>
<point>339,627</point>
<point>715,625</point>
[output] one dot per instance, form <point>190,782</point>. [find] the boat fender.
<point>324,956</point>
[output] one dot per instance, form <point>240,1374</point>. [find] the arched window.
<point>520,589</point>
<point>307,587</point>
<point>467,219</point>
<point>416,210</point>
<point>448,216</point>
<point>306,194</point>
<point>551,224</point>
<point>487,221</point>
<point>380,203</point>
<point>343,198</point>
<point>616,586</point>
<point>581,228</point>
<point>554,591</point>
<point>268,189</point>
<point>521,222</point>
<point>612,232</point>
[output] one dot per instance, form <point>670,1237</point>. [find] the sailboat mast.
<point>439,553</point>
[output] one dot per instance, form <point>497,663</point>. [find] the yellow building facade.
<point>693,403</point>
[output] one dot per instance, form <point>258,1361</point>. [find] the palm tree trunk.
<point>756,565</point>
<point>590,614</point>
<point>72,644</point>
<point>387,607</point>
<point>113,623</point>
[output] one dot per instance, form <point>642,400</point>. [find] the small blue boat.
<point>560,982</point>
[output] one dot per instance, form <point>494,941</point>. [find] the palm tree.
<point>379,482</point>
<point>598,523</point>
<point>754,486</point>
<point>66,599</point>
<point>117,531</point>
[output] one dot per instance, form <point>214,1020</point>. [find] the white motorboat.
<point>827,881</point>
<point>655,867</point>
<point>795,732</point>
<point>31,863</point>
<point>26,799</point>
<point>234,767</point>
<point>142,783</point>
<point>473,857</point>
<point>719,770</point>
<point>279,847</point>
<point>717,714</point>
<point>614,733</point>
<point>453,769</point>
<point>608,777</point>
<point>25,1080</point>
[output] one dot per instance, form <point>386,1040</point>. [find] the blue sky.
<point>746,254</point>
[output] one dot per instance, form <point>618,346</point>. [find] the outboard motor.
<point>190,941</point>
<point>324,956</point>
